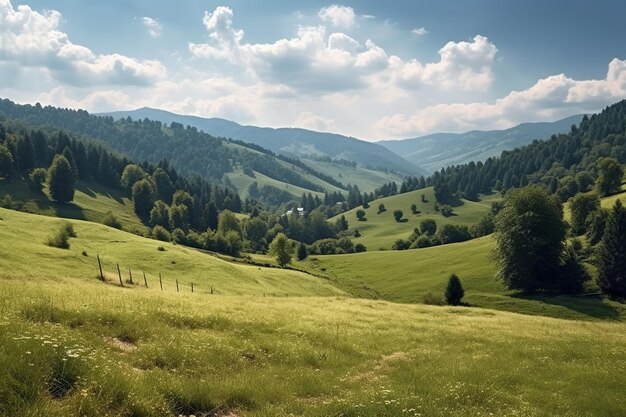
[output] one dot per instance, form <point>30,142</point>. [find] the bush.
<point>454,291</point>
<point>397,214</point>
<point>381,208</point>
<point>421,242</point>
<point>359,247</point>
<point>428,227</point>
<point>446,210</point>
<point>60,239</point>
<point>357,233</point>
<point>401,244</point>
<point>69,229</point>
<point>433,299</point>
<point>112,221</point>
<point>360,215</point>
<point>159,233</point>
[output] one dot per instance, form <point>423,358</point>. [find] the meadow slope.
<point>381,230</point>
<point>24,255</point>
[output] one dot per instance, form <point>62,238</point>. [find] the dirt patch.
<point>122,345</point>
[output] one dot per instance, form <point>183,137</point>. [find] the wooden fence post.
<point>192,287</point>
<point>145,281</point>
<point>119,273</point>
<point>100,266</point>
<point>130,274</point>
<point>160,281</point>
<point>211,289</point>
<point>177,285</point>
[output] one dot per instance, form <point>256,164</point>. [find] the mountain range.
<point>293,142</point>
<point>413,156</point>
<point>438,150</point>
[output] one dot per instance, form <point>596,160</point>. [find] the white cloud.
<point>549,99</point>
<point>421,31</point>
<point>317,62</point>
<point>309,120</point>
<point>33,40</point>
<point>338,16</point>
<point>153,26</point>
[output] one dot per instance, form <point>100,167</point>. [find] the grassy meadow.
<point>381,230</point>
<point>80,347</point>
<point>28,258</point>
<point>367,180</point>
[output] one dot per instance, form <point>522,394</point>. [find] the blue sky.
<point>371,69</point>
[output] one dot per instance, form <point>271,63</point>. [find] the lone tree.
<point>454,291</point>
<point>414,208</point>
<point>143,198</point>
<point>581,207</point>
<point>302,252</point>
<point>529,237</point>
<point>612,254</point>
<point>381,208</point>
<point>360,215</point>
<point>397,214</point>
<point>281,249</point>
<point>61,180</point>
<point>610,174</point>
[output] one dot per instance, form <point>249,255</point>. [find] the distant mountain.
<point>438,150</point>
<point>288,141</point>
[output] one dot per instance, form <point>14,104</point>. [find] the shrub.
<point>433,299</point>
<point>159,233</point>
<point>454,291</point>
<point>401,244</point>
<point>446,210</point>
<point>111,221</point>
<point>397,214</point>
<point>69,229</point>
<point>428,227</point>
<point>161,249</point>
<point>359,247</point>
<point>421,242</point>
<point>60,239</point>
<point>360,215</point>
<point>37,178</point>
<point>381,208</point>
<point>357,233</point>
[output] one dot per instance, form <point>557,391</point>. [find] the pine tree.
<point>6,162</point>
<point>61,180</point>
<point>302,252</point>
<point>612,254</point>
<point>454,290</point>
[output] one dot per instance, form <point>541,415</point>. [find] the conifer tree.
<point>61,180</point>
<point>454,291</point>
<point>612,254</point>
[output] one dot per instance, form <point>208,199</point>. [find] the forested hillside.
<point>187,149</point>
<point>301,143</point>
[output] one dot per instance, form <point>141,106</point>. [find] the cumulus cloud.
<point>320,62</point>
<point>153,26</point>
<point>339,16</point>
<point>33,40</point>
<point>421,31</point>
<point>309,120</point>
<point>549,98</point>
<point>463,65</point>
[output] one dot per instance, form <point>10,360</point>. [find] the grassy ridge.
<point>89,349</point>
<point>27,256</point>
<point>380,231</point>
<point>366,179</point>
<point>242,182</point>
<point>91,202</point>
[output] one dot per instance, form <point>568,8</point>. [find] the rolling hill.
<point>432,152</point>
<point>288,141</point>
<point>380,231</point>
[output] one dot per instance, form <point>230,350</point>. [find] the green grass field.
<point>366,179</point>
<point>78,347</point>
<point>29,258</point>
<point>91,202</point>
<point>380,231</point>
<point>242,182</point>
<point>407,276</point>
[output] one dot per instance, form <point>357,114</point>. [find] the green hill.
<point>28,256</point>
<point>366,179</point>
<point>92,202</point>
<point>380,231</point>
<point>408,276</point>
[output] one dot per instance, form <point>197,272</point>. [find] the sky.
<point>369,69</point>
